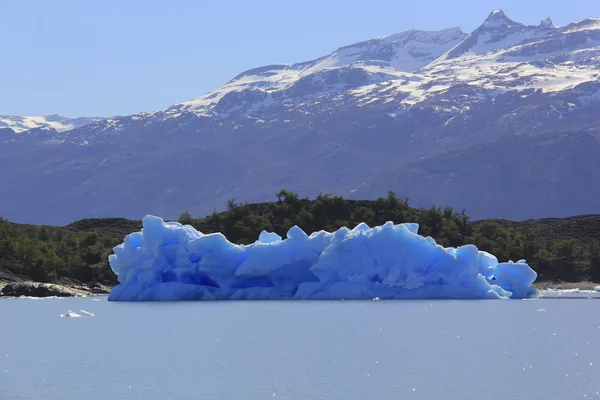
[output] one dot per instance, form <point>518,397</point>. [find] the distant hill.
<point>566,249</point>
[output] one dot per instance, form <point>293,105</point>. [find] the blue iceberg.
<point>168,261</point>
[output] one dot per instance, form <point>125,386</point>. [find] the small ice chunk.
<point>86,313</point>
<point>70,314</point>
<point>597,288</point>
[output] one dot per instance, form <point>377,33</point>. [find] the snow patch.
<point>56,122</point>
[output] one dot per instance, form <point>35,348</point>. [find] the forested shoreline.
<point>559,249</point>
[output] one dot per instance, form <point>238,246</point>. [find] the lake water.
<point>300,350</point>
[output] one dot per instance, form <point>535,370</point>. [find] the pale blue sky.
<point>117,57</point>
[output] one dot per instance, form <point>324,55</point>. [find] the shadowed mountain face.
<point>503,122</point>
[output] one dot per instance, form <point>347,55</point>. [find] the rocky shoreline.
<point>15,287</point>
<point>545,285</point>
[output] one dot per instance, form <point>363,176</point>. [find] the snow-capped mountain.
<point>504,122</point>
<point>373,61</point>
<point>497,32</point>
<point>56,122</point>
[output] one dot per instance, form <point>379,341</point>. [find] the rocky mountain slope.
<point>503,122</point>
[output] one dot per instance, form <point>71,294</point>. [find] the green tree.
<point>363,214</point>
<point>565,249</point>
<point>185,218</point>
<point>565,253</point>
<point>43,234</point>
<point>92,255</point>
<point>90,238</point>
<point>232,205</point>
<point>288,197</point>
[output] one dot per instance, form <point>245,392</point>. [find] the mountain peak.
<point>498,19</point>
<point>54,117</point>
<point>496,31</point>
<point>547,23</point>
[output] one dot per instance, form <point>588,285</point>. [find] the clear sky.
<point>118,57</point>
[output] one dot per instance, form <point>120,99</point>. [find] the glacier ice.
<point>85,313</point>
<point>168,261</point>
<point>73,314</point>
<point>70,314</point>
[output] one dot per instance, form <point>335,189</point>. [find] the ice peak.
<point>547,23</point>
<point>498,19</point>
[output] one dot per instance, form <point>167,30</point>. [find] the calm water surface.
<point>300,350</point>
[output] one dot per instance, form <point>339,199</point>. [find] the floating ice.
<point>597,288</point>
<point>84,313</point>
<point>73,314</point>
<point>70,314</point>
<point>168,261</point>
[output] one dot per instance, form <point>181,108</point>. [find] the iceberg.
<point>168,261</point>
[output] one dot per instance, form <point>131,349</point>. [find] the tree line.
<point>562,250</point>
<point>45,254</point>
<point>563,257</point>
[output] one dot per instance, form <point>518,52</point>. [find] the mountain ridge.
<point>349,123</point>
<point>58,123</point>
